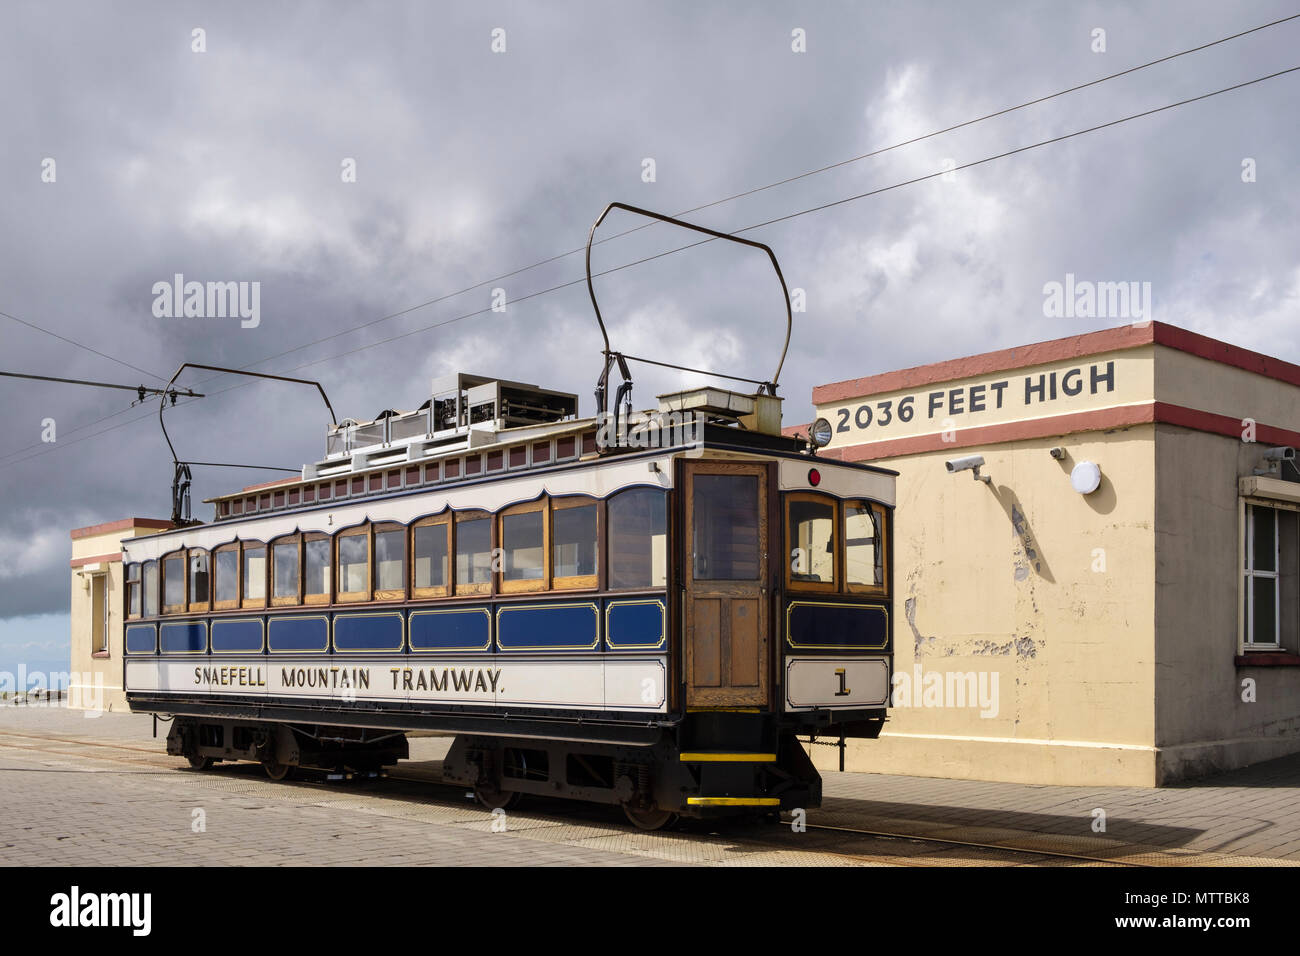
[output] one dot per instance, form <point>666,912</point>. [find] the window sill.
<point>99,655</point>
<point>1267,659</point>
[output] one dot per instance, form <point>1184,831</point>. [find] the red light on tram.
<point>814,477</point>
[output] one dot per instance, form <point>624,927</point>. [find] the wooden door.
<point>726,577</point>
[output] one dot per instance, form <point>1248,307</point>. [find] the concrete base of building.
<point>1054,762</point>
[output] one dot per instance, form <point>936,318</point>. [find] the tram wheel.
<point>276,771</point>
<point>495,799</point>
<point>652,818</point>
<point>199,763</point>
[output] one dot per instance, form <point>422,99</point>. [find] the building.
<point>96,611</point>
<point>1112,597</point>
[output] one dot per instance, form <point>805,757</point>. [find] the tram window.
<point>316,570</point>
<point>254,575</point>
<point>810,521</point>
<point>429,558</point>
<point>725,528</point>
<point>284,572</point>
<point>354,565</point>
<point>173,576</point>
<point>133,590</point>
<point>473,555</point>
<point>199,581</point>
<point>523,546</point>
<point>225,578</point>
<point>151,589</point>
<point>638,538</point>
<point>390,564</point>
<point>864,552</point>
<point>573,543</point>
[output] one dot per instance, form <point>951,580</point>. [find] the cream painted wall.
<point>1202,722</point>
<point>1007,579</point>
<point>90,674</point>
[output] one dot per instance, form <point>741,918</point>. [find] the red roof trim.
<point>123,525</point>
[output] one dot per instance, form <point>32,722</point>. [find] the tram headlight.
<point>820,433</point>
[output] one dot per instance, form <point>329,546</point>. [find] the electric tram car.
<point>643,609</point>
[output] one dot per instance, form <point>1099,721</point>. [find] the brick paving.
<point>78,791</point>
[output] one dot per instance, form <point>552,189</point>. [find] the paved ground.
<point>78,791</point>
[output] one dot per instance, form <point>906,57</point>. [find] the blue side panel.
<point>371,633</point>
<point>635,625</point>
<point>460,629</point>
<point>141,639</point>
<point>237,637</point>
<point>298,635</point>
<point>814,625</point>
<point>548,627</point>
<point>190,637</point>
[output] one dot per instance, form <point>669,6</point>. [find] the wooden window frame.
<point>138,583</point>
<point>445,589</point>
<point>144,588</point>
<point>293,599</point>
<point>878,510</point>
<point>481,587</point>
<point>228,605</point>
<point>837,542</point>
<point>328,596</point>
<point>607,529</point>
<point>524,585</point>
<point>184,556</point>
<point>387,594</point>
<point>200,607</point>
<point>244,548</point>
<point>353,597</point>
<point>574,582</point>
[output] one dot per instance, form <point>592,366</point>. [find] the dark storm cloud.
<point>225,165</point>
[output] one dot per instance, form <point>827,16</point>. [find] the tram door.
<point>726,584</point>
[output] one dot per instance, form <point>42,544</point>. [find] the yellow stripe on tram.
<point>704,757</point>
<point>734,801</point>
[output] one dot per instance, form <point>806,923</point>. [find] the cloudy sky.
<point>228,163</point>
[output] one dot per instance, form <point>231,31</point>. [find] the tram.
<point>639,608</point>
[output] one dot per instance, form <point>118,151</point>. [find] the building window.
<point>98,614</point>
<point>1271,598</point>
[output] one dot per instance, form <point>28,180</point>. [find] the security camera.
<point>971,463</point>
<point>1281,453</point>
<point>962,464</point>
